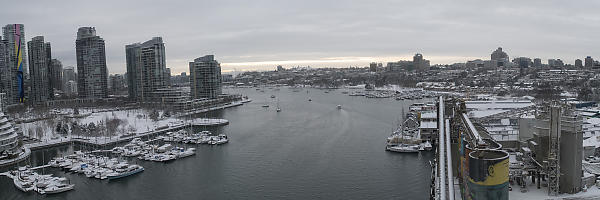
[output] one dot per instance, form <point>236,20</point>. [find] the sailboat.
<point>405,139</point>
<point>265,105</point>
<point>278,108</point>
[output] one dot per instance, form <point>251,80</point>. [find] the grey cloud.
<point>251,31</point>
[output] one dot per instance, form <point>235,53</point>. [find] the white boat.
<point>205,139</point>
<point>56,188</point>
<point>102,173</point>
<point>130,153</point>
<point>23,180</point>
<point>164,148</point>
<point>403,148</point>
<point>76,166</point>
<point>278,108</point>
<point>65,164</point>
<point>125,171</point>
<point>89,172</point>
<point>186,153</point>
<point>339,106</point>
<point>117,150</point>
<point>220,139</point>
<point>26,180</point>
<point>426,146</point>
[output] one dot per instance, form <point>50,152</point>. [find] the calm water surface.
<point>310,150</point>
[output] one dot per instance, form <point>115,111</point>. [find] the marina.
<point>272,155</point>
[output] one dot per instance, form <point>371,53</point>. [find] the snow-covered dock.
<point>198,111</point>
<point>209,122</point>
<point>24,155</point>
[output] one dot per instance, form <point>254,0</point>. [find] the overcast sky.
<point>258,35</point>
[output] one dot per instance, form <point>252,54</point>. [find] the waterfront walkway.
<point>101,141</point>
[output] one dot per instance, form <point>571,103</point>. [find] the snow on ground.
<point>542,194</point>
<point>481,109</point>
<point>484,113</point>
<point>497,104</point>
<point>135,120</point>
<point>592,142</point>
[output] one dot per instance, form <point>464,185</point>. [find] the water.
<point>309,150</point>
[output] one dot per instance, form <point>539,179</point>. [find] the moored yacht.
<point>125,170</point>
<point>403,148</point>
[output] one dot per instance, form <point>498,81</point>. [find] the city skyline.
<point>261,35</point>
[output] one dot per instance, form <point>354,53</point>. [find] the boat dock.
<point>39,167</point>
<point>24,155</point>
<point>209,122</point>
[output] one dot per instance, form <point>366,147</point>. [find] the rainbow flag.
<point>19,62</point>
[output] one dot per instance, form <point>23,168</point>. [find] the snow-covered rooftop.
<point>428,125</point>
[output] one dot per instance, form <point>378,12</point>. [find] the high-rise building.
<point>56,75</point>
<point>146,68</point>
<point>38,70</point>
<point>537,62</point>
<point>168,77</point>
<point>132,57</point>
<point>522,61</point>
<point>419,62</point>
<point>13,78</point>
<point>373,67</point>
<point>71,87</point>
<point>555,63</point>
<point>498,54</point>
<point>117,83</point>
<point>589,61</point>
<point>91,64</point>
<point>205,78</point>
<point>400,65</point>
<point>5,76</point>
<point>578,63</point>
<point>499,58</point>
<point>69,74</point>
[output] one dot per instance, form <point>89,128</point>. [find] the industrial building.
<point>548,156</point>
<point>558,145</point>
